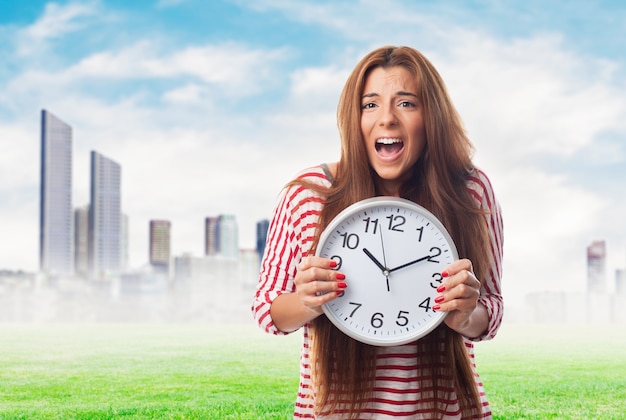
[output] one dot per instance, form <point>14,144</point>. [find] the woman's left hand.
<point>458,295</point>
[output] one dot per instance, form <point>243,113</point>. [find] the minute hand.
<point>427,257</point>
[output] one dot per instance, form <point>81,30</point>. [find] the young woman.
<point>400,136</point>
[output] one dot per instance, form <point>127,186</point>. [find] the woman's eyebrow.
<point>399,93</point>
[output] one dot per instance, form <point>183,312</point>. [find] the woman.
<point>400,136</point>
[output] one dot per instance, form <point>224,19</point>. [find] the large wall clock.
<point>392,252</point>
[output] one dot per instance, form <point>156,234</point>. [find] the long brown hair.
<point>343,369</point>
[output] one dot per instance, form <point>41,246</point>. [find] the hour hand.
<point>373,258</point>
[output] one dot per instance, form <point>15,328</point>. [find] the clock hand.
<point>373,258</point>
<point>427,257</point>
<point>386,270</point>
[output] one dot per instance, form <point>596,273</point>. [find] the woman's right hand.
<point>318,282</point>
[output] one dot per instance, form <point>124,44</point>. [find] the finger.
<point>457,266</point>
<point>325,274</point>
<point>461,298</point>
<point>320,288</point>
<point>460,291</point>
<point>452,281</point>
<point>315,261</point>
<point>315,301</point>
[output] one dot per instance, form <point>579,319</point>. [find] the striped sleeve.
<point>491,295</point>
<point>290,235</point>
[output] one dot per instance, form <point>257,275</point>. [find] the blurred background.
<point>144,144</point>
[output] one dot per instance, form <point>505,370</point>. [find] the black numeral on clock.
<point>356,307</point>
<point>436,252</point>
<point>371,222</point>
<point>438,279</point>
<point>402,320</point>
<point>421,231</point>
<point>377,320</point>
<point>425,304</point>
<point>338,260</point>
<point>350,241</point>
<point>395,222</point>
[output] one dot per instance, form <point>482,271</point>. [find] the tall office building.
<point>262,227</point>
<point>596,267</point>
<point>81,241</point>
<point>105,226</point>
<point>56,253</point>
<point>160,248</point>
<point>228,232</point>
<point>211,236</point>
<point>221,236</point>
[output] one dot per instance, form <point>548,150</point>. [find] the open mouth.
<point>389,146</point>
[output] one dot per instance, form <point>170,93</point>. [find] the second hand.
<point>386,272</point>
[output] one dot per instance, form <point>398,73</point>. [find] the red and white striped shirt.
<point>396,394</point>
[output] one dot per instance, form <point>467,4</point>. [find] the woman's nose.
<point>387,117</point>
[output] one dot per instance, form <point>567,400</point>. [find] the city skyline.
<point>90,241</point>
<point>212,108</point>
<point>221,233</point>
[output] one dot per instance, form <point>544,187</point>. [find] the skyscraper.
<point>160,248</point>
<point>596,267</point>
<point>221,236</point>
<point>81,241</point>
<point>228,236</point>
<point>262,227</point>
<point>105,225</point>
<point>56,253</point>
<point>211,236</point>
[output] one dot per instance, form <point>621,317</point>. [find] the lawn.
<point>209,372</point>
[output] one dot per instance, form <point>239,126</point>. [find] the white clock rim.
<point>377,202</point>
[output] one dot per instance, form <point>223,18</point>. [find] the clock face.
<point>392,252</point>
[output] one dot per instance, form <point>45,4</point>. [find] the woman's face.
<point>392,125</point>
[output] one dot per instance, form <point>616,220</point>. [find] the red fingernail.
<point>444,273</point>
<point>339,292</point>
<point>441,288</point>
<point>340,276</point>
<point>439,299</point>
<point>342,285</point>
<point>333,264</point>
<point>436,307</point>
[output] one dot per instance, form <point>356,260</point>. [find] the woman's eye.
<point>368,105</point>
<point>406,104</point>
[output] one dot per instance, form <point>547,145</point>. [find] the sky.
<point>211,107</point>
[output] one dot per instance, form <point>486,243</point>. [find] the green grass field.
<point>207,372</point>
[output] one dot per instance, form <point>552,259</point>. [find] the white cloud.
<point>190,93</point>
<point>56,21</point>
<point>318,82</point>
<point>540,98</point>
<point>236,70</point>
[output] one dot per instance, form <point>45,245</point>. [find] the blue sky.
<point>210,107</point>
